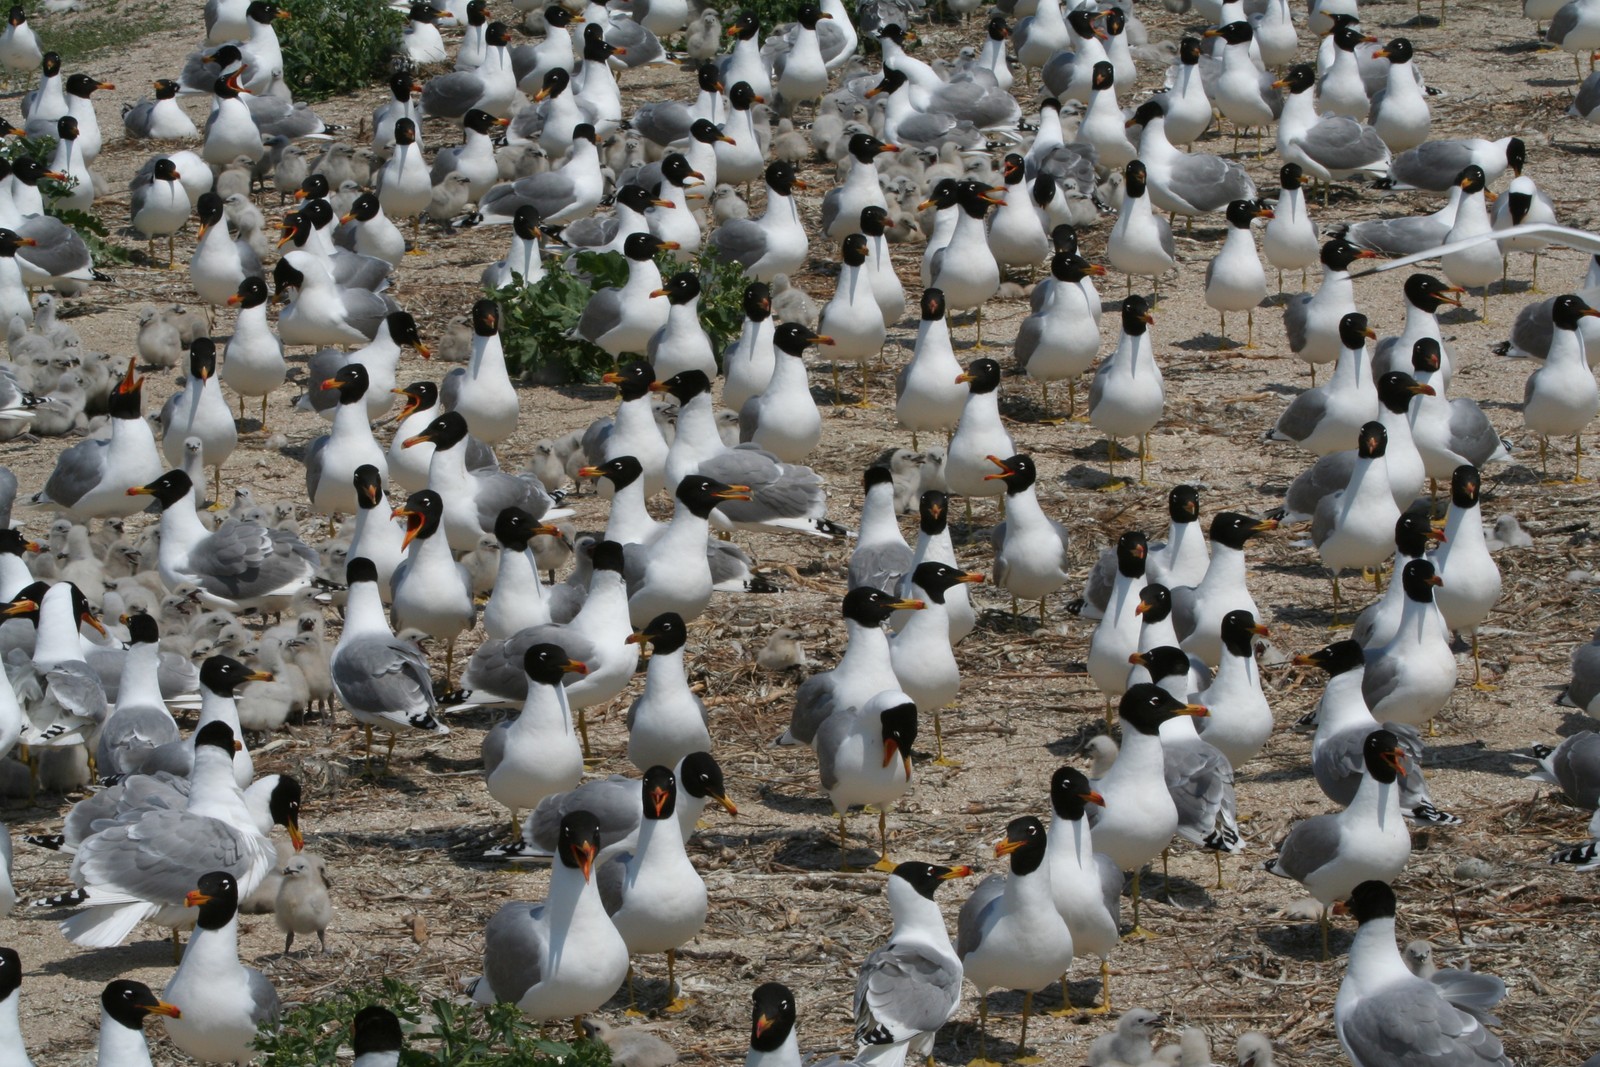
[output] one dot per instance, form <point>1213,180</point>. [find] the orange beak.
<point>658,800</point>
<point>163,1008</point>
<point>586,854</point>
<point>92,622</point>
<point>1092,797</point>
<point>194,898</point>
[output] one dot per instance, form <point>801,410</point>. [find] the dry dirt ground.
<point>413,895</point>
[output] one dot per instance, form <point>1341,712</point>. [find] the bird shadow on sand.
<point>1073,745</point>
<point>810,804</point>
<point>111,964</point>
<point>1301,940</point>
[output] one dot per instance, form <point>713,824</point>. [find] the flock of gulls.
<point>994,159</point>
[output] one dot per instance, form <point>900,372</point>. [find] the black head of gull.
<point>351,381</point>
<point>142,629</point>
<point>208,209</point>
<point>375,1029</point>
<point>444,432</point>
<point>126,400</point>
<point>1136,316</point>
<point>1396,51</point>
<point>423,511</point>
<point>1464,486</point>
<point>926,878</point>
<point>893,79</point>
<point>1472,179</point>
<point>130,1003</point>
<point>642,247</point>
<point>1024,843</point>
<point>944,195</point>
<point>167,490</point>
<point>936,579</point>
<point>556,81</point>
<point>1397,388</point>
<point>1290,176</point>
<point>660,790</point>
<point>1419,579</point>
<point>676,169</point>
<point>13,543</point>
<point>1145,706</point>
<point>665,632</point>
<point>1569,310</point>
<point>623,471</point>
<point>899,726</point>
<point>1516,155</point>
<point>706,76</point>
<point>772,1016</point>
<point>997,28</point>
<point>684,386</point>
<point>1146,113</point>
<point>1368,901</point>
<point>1082,23</point>
<point>1372,441</point>
<point>866,148</point>
<point>603,555</point>
<point>478,12</point>
<point>1384,757</point>
<point>1155,603</point>
<point>707,132</point>
<point>1233,33</point>
<point>515,527</point>
<point>982,377</point>
<point>1354,333</point>
<point>1232,529</point>
<point>1183,504</point>
<point>222,675</point>
<point>757,301</point>
<point>874,220</point>
<point>67,128</point>
<point>578,842</point>
<point>405,131</point>
<point>702,495</point>
<point>1132,547</point>
<point>1071,794</point>
<point>1427,293</point>
<point>498,35</point>
<point>1189,51</point>
<point>420,396</point>
<point>525,222</point>
<point>203,358</point>
<point>360,569</point>
<point>595,47</point>
<point>547,664</point>
<point>933,304</point>
<point>1163,661</point>
<point>808,16</point>
<point>868,606</point>
<point>681,289</point>
<point>252,293</point>
<point>1102,76</point>
<point>10,972</point>
<point>1241,213</point>
<point>700,776</point>
<point>632,379</point>
<point>1338,254</point>
<point>854,250</point>
<point>933,512</point>
<point>780,178</point>
<point>1336,659</point>
<point>1239,631</point>
<point>1347,38</point>
<point>283,804</point>
<point>877,474</point>
<point>1425,355</point>
<point>1018,473</point>
<point>479,121</point>
<point>976,197</point>
<point>82,86</point>
<point>217,896</point>
<point>1413,531</point>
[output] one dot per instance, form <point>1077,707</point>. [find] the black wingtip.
<point>760,583</point>
<point>53,842</point>
<point>1076,606</point>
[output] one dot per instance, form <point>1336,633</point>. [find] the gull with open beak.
<point>432,592</point>
<point>864,758</point>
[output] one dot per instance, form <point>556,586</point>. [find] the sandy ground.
<point>413,895</point>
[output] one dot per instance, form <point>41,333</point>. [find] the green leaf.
<point>322,54</point>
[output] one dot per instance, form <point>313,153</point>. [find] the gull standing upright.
<point>200,410</point>
<point>923,658</point>
<point>1197,612</point>
<point>965,270</point>
<point>928,392</point>
<point>1030,548</point>
<point>332,459</point>
<point>382,680</point>
<point>1322,418</point>
<point>667,721</point>
<point>1061,339</point>
<point>1117,635</point>
<point>1561,397</point>
<point>1290,240</point>
<point>1471,579</point>
<point>783,418</point>
<point>852,318</point>
<point>1472,267</point>
<point>864,759</point>
<point>1234,278</point>
<point>1353,528</point>
<point>220,1003</point>
<point>1182,559</point>
<point>432,592</point>
<point>1240,721</point>
<point>865,669</point>
<point>537,754</point>
<point>1009,934</point>
<point>1312,320</point>
<point>124,1007</point>
<point>1127,396</point>
<point>1332,854</point>
<point>482,391</point>
<point>980,434</point>
<point>748,362</point>
<point>1141,241</point>
<point>1410,679</point>
<point>1086,885</point>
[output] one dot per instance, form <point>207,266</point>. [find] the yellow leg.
<point>838,397</point>
<point>368,760</point>
<point>884,862</point>
<point>1144,452</point>
<point>1220,883</point>
<point>633,1004</point>
<point>1137,931</point>
<point>583,734</point>
<point>1477,669</point>
<point>1577,468</point>
<point>1250,328</point>
<point>675,1001</point>
<point>1022,1040</point>
<point>983,1059</point>
<point>177,947</point>
<point>940,759</point>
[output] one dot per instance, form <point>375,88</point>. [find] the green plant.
<point>537,319</point>
<point>323,55</point>
<point>496,1036</point>
<point>89,226</point>
<point>75,40</point>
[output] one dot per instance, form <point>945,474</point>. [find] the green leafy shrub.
<point>89,226</point>
<point>325,54</point>
<point>536,319</point>
<point>497,1036</point>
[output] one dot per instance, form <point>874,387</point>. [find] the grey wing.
<point>997,541</point>
<point>1431,165</point>
<point>313,462</point>
<point>1299,420</point>
<point>976,912</point>
<point>663,122</point>
<point>600,315</point>
<point>903,991</point>
<point>612,881</point>
<point>450,388</point>
<point>243,559</point>
<point>591,232</point>
<point>1381,676</point>
<point>777,490</point>
<point>880,566</point>
<point>1102,576</point>
<point>1470,991</point>
<point>1340,143</point>
<point>1028,336</point>
<point>494,747</point>
<point>728,562</point>
<point>136,120</point>
<point>935,264</point>
<point>830,735</point>
<point>1532,329</point>
<point>1308,846</point>
<point>1200,780</point>
<point>1401,236</point>
<point>1294,320</point>
<point>451,95</point>
<point>830,206</point>
<point>1411,1025</point>
<point>1566,17</point>
<point>1584,685</point>
<point>352,271</point>
<point>1327,475</point>
<point>813,704</point>
<point>1471,433</point>
<point>739,240</point>
<point>1097,384</point>
<point>1338,765</point>
<point>155,858</point>
<point>130,734</point>
<point>263,998</point>
<point>498,490</point>
<point>1210,182</point>
<point>1325,519</point>
<point>750,416</point>
<point>1110,885</point>
<point>78,470</point>
<point>385,676</point>
<point>1588,95</point>
<point>324,364</point>
<point>1164,233</point>
<point>60,251</point>
<point>365,311</point>
<point>514,947</point>
<point>1576,765</point>
<point>76,687</point>
<point>614,801</point>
